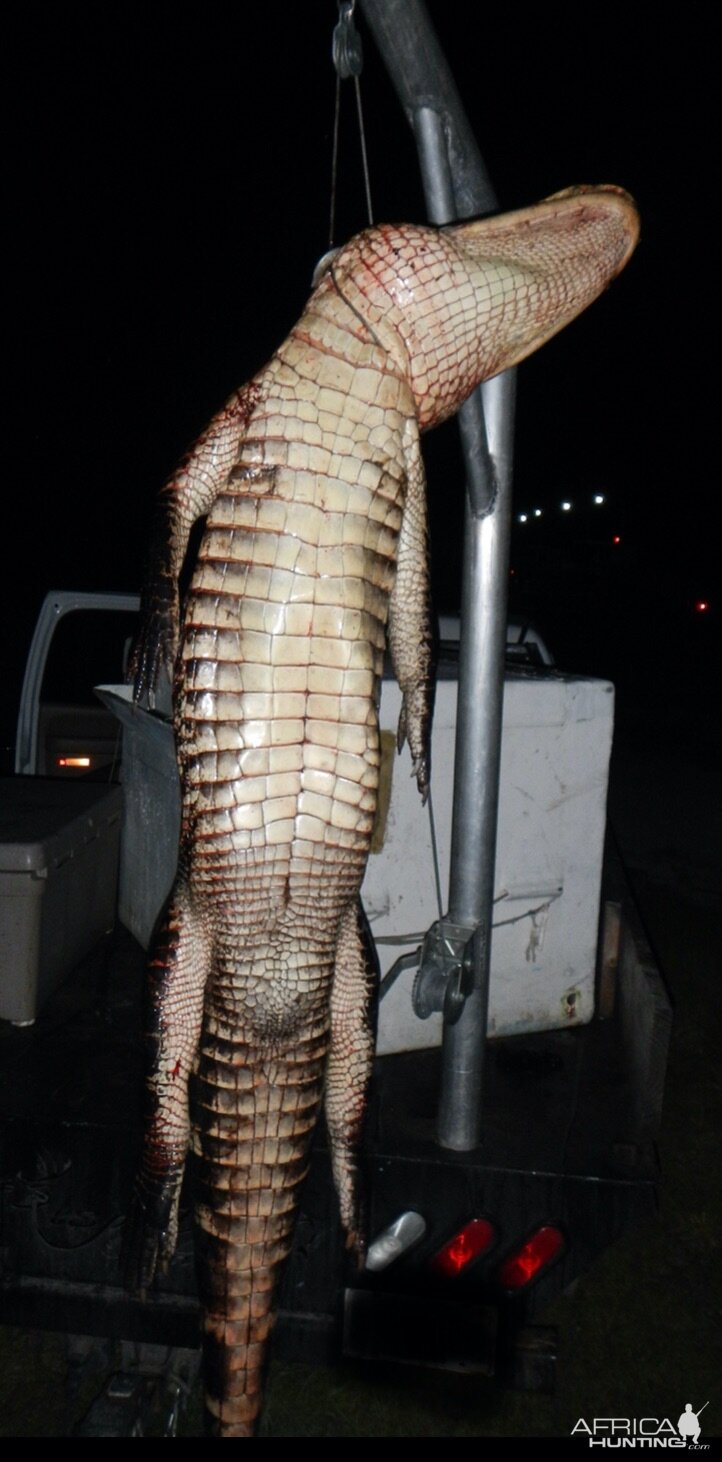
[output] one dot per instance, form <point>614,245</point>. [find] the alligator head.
<point>457,305</point>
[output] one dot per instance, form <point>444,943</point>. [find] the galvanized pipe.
<point>421,77</point>
<point>456,185</point>
<point>476,801</point>
<point>437,180</point>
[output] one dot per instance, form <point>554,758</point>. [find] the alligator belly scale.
<point>314,554</point>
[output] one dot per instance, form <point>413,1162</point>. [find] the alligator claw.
<point>356,1234</point>
<point>401,728</point>
<point>420,770</point>
<point>157,641</point>
<point>412,727</point>
<point>150,1238</point>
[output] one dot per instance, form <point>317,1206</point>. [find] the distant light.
<point>566,507</point>
<point>616,540</point>
<point>702,606</point>
<point>72,761</point>
<point>523,517</point>
<point>537,512</point>
<point>598,498</point>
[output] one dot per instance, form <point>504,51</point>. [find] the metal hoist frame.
<point>454,968</point>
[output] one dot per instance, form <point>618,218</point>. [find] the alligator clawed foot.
<point>157,642</point>
<point>150,1239</point>
<point>420,770</point>
<point>357,1233</point>
<point>356,1245</point>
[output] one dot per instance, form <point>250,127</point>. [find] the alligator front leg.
<point>349,1071</point>
<point>177,978</point>
<point>184,499</point>
<point>409,629</point>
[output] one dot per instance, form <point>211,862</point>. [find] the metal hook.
<point>347,48</point>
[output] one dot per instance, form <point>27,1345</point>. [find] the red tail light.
<point>72,761</point>
<point>527,1262</point>
<point>472,1240</point>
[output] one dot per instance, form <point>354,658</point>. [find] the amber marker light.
<point>526,1263</point>
<point>472,1240</point>
<point>72,761</point>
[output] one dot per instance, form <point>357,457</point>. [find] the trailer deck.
<point>569,1128</point>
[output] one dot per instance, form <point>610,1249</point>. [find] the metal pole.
<point>476,801</point>
<point>456,185</point>
<point>421,76</point>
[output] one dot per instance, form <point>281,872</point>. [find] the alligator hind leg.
<point>177,975</point>
<point>349,1068</point>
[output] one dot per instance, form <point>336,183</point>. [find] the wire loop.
<point>347,47</point>
<point>347,53</point>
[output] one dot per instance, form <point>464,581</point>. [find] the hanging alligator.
<point>314,552</point>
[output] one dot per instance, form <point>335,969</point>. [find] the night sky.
<point>170,196</point>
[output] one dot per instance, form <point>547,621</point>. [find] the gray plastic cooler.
<point>59,845</point>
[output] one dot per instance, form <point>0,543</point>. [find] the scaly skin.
<point>314,548</point>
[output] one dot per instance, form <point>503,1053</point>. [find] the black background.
<point>169,189</point>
